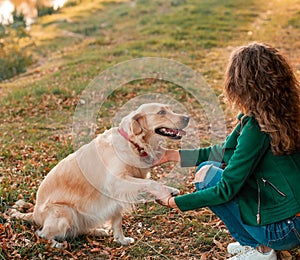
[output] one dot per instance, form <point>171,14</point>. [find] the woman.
<point>251,181</point>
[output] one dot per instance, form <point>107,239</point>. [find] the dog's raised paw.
<point>174,192</point>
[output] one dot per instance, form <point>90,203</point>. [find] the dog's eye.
<point>162,112</point>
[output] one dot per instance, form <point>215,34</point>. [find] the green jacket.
<point>267,185</point>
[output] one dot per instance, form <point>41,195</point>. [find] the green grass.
<point>75,45</point>
<point>295,21</point>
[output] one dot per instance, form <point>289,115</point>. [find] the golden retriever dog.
<point>102,179</point>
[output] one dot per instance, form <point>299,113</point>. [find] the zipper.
<point>265,182</point>
<point>258,203</point>
<point>273,186</point>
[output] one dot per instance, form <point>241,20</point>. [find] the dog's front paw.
<point>56,244</point>
<point>125,240</point>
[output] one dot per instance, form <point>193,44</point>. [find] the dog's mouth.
<point>170,133</point>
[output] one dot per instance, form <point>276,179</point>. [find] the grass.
<point>73,47</point>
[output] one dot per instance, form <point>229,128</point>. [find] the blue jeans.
<point>282,235</point>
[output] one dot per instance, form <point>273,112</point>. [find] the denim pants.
<point>282,235</point>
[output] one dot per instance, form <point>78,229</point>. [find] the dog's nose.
<point>186,119</point>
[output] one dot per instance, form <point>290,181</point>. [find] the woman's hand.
<point>169,155</point>
<point>168,202</point>
<point>164,196</point>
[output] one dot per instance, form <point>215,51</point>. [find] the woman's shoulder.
<point>248,125</point>
<point>246,119</point>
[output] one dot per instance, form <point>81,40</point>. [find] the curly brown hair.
<point>261,83</point>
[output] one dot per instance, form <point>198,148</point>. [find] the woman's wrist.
<point>173,155</point>
<point>172,203</point>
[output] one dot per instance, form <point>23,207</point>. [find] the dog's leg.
<point>118,232</point>
<point>54,227</point>
<point>139,186</point>
<point>58,223</point>
<point>44,233</point>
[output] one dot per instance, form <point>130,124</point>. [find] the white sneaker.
<point>253,254</point>
<point>236,248</point>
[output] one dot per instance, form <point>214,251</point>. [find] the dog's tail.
<point>18,215</point>
<point>21,205</point>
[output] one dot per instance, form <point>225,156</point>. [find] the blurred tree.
<point>14,42</point>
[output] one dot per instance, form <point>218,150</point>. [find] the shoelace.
<point>245,254</point>
<point>242,250</point>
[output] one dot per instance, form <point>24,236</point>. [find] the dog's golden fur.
<point>99,181</point>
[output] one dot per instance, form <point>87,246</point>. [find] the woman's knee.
<point>201,173</point>
<point>214,163</point>
<point>207,176</point>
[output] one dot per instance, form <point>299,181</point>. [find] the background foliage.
<point>14,54</point>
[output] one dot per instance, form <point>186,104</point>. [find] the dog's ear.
<point>137,124</point>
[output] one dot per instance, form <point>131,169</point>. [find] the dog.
<point>105,177</point>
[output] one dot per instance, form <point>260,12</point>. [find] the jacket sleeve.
<point>194,157</point>
<point>249,146</point>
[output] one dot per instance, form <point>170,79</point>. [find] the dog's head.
<point>159,119</point>
<point>151,122</point>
